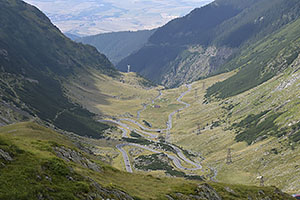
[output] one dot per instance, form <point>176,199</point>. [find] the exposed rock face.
<point>70,155</point>
<point>193,63</point>
<point>203,192</point>
<point>293,78</point>
<point>4,53</point>
<point>103,193</point>
<point>228,189</point>
<point>5,155</point>
<point>206,192</point>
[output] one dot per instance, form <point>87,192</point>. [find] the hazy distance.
<point>89,17</point>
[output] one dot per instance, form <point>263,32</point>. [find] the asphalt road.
<point>174,159</point>
<point>125,157</point>
<point>125,127</point>
<point>170,118</point>
<point>141,126</point>
<point>182,156</point>
<point>145,133</point>
<point>145,105</point>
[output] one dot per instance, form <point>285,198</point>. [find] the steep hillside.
<point>35,58</point>
<point>38,163</point>
<point>118,45</point>
<point>200,43</point>
<point>72,36</point>
<point>108,96</point>
<point>260,61</point>
<point>260,126</point>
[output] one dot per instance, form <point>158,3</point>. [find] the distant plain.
<point>91,17</point>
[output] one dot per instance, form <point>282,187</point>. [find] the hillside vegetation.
<point>108,96</point>
<point>260,126</point>
<point>182,143</point>
<point>203,42</point>
<point>118,45</point>
<point>35,58</point>
<point>35,165</point>
<point>260,61</point>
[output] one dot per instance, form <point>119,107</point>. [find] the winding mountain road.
<point>170,118</point>
<point>138,116</point>
<point>182,156</point>
<point>141,126</point>
<point>125,127</point>
<point>145,133</point>
<point>125,157</point>
<point>174,159</point>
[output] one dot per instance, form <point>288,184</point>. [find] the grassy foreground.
<point>36,171</point>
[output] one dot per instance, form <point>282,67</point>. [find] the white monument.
<point>128,70</point>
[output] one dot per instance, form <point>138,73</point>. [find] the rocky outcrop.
<point>70,155</point>
<point>195,62</point>
<point>104,193</point>
<point>4,54</point>
<point>4,155</point>
<point>207,192</point>
<point>203,192</point>
<point>292,79</point>
<point>97,192</point>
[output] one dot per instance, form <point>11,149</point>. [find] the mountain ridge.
<point>35,59</point>
<point>118,45</point>
<point>248,23</point>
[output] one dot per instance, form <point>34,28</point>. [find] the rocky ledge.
<point>70,155</point>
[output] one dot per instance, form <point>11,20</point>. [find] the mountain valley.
<point>217,119</point>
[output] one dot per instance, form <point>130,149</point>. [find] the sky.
<point>90,17</point>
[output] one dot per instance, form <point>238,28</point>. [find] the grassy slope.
<point>110,96</point>
<point>31,148</point>
<point>260,61</point>
<point>35,58</point>
<point>233,24</point>
<point>276,158</point>
<point>158,116</point>
<point>212,143</point>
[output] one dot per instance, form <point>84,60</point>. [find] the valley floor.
<point>177,132</point>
